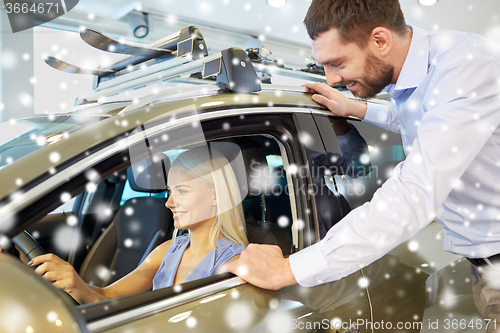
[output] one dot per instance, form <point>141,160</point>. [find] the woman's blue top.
<point>208,266</point>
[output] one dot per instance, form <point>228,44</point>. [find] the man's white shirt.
<point>447,109</point>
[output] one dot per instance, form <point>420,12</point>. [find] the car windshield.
<point>25,136</point>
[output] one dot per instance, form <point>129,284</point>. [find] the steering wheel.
<point>28,245</point>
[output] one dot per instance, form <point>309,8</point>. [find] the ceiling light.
<point>139,25</point>
<point>276,3</point>
<point>427,2</point>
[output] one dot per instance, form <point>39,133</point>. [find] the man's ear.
<point>381,41</point>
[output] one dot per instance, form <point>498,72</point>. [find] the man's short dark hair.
<point>355,19</point>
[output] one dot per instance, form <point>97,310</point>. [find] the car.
<point>90,186</point>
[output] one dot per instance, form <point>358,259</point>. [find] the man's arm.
<point>381,115</point>
<point>263,266</point>
<point>335,100</point>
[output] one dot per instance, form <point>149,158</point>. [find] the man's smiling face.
<point>357,68</point>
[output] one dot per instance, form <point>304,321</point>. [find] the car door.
<point>376,154</point>
<point>225,304</point>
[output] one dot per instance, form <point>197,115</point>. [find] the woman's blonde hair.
<point>210,166</point>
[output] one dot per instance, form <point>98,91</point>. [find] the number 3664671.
<point>31,8</point>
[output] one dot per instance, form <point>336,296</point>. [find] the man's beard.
<point>378,76</point>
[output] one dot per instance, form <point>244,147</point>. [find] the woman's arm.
<point>140,279</point>
<point>64,276</point>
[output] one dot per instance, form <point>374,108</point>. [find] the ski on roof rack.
<point>267,67</point>
<point>187,44</point>
<point>232,67</point>
<point>68,68</point>
<point>105,43</point>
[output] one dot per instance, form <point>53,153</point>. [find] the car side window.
<point>374,152</point>
<point>65,207</point>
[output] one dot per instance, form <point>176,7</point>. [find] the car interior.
<point>123,218</point>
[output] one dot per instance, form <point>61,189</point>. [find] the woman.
<point>204,198</point>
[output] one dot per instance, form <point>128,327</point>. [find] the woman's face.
<point>191,200</point>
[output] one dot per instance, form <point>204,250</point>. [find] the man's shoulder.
<point>453,47</point>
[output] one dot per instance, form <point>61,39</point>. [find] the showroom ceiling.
<point>256,17</point>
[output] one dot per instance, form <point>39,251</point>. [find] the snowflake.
<point>306,138</point>
<point>364,159</point>
<point>382,205</point>
<point>52,316</point>
<point>72,220</point>
<point>191,322</point>
<point>413,246</point>
<point>25,99</point>
<point>64,238</point>
<point>54,157</point>
<point>102,272</point>
<point>9,59</point>
<point>283,221</point>
<point>239,316</point>
<point>65,196</point>
<point>274,304</point>
<point>363,282</point>
<point>128,242</point>
<point>242,271</point>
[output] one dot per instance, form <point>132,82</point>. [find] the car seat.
<point>261,211</point>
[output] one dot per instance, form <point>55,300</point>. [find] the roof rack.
<point>180,54</point>
<point>232,68</point>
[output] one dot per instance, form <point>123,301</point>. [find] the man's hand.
<point>63,275</point>
<point>263,266</point>
<point>335,101</point>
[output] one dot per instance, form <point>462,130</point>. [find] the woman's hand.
<point>22,256</point>
<point>63,275</point>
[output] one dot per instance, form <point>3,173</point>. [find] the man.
<point>446,90</point>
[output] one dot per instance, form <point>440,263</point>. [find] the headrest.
<point>257,170</point>
<point>149,175</point>
<point>253,175</point>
